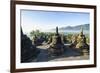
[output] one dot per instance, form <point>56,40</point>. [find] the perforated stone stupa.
<point>56,46</point>
<point>81,41</point>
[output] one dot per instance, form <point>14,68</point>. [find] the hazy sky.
<point>44,20</point>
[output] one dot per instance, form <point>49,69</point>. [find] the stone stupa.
<point>73,41</point>
<point>81,42</point>
<point>49,40</point>
<point>56,46</point>
<point>28,51</point>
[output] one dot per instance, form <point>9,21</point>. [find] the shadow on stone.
<point>28,50</point>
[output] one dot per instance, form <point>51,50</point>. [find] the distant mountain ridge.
<point>78,27</point>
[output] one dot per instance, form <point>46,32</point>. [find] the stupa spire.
<point>81,30</point>
<point>56,30</point>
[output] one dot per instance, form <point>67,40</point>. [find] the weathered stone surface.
<point>81,41</point>
<point>28,50</point>
<point>34,40</point>
<point>49,40</point>
<point>74,41</point>
<point>56,46</point>
<point>38,40</point>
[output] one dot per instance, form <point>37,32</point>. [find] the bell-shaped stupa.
<point>56,46</point>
